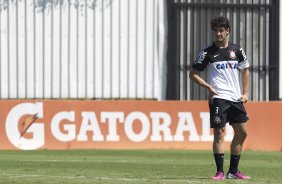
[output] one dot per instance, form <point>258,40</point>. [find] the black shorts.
<point>225,111</point>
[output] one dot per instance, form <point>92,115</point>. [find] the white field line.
<point>90,178</point>
<point>74,161</point>
<point>97,161</point>
<point>68,177</point>
<point>186,181</point>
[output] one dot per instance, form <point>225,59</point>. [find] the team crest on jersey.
<point>232,54</point>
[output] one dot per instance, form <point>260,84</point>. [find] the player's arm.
<point>194,76</point>
<point>245,84</point>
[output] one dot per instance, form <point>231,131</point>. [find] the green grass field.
<point>139,166</point>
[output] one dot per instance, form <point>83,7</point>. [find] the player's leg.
<point>240,134</point>
<point>218,151</point>
<point>218,142</point>
<point>238,118</point>
<point>218,121</point>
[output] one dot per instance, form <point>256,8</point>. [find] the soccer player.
<point>223,60</point>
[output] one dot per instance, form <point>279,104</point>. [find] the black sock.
<point>234,162</point>
<point>219,159</point>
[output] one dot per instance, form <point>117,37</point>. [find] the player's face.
<point>220,34</point>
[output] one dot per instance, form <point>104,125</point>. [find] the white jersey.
<point>222,65</point>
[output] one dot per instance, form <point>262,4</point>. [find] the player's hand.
<point>212,93</point>
<point>244,98</point>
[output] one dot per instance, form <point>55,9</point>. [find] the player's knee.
<point>244,134</point>
<point>219,134</point>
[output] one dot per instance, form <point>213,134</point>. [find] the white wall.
<point>82,49</point>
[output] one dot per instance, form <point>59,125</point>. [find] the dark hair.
<point>220,22</point>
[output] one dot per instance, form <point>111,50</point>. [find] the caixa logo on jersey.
<point>231,65</point>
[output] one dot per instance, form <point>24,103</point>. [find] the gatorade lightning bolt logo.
<point>27,122</point>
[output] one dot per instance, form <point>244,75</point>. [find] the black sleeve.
<point>201,61</point>
<point>242,55</point>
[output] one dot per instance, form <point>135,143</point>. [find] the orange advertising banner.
<point>87,124</point>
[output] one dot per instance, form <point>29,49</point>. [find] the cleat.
<point>238,175</point>
<point>218,176</point>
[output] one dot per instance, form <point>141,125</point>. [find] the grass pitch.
<point>134,166</point>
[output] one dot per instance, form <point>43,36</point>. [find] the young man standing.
<point>223,60</point>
